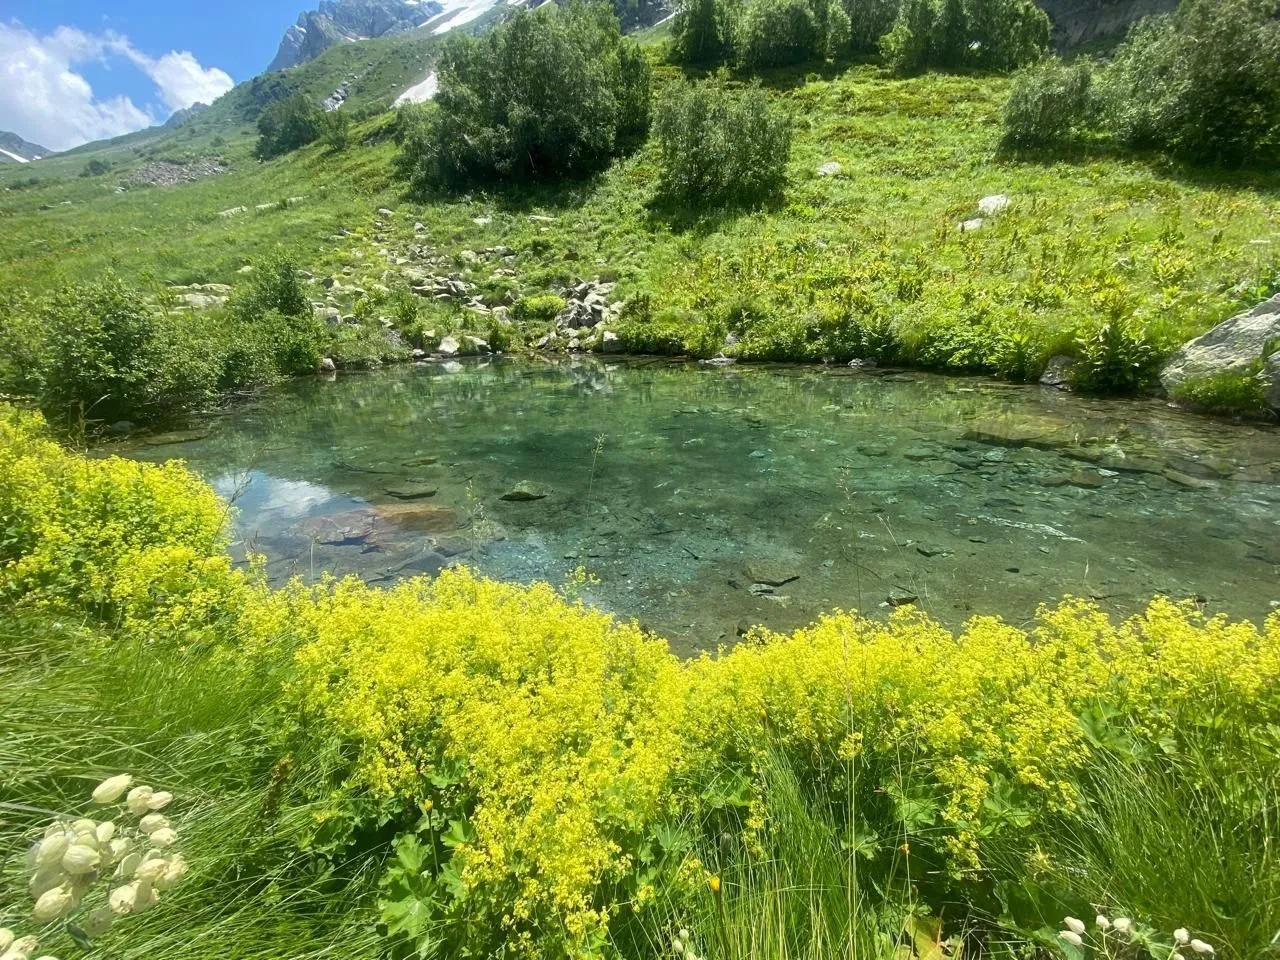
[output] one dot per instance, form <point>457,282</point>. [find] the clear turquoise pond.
<point>705,499</point>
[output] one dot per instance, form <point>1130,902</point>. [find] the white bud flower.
<point>53,904</point>
<point>106,830</point>
<point>121,899</point>
<point>1199,946</point>
<point>1074,925</point>
<point>151,870</point>
<point>138,799</point>
<point>153,822</point>
<point>1122,924</point>
<point>97,922</point>
<point>1182,936</point>
<point>176,871</point>
<point>1072,938</point>
<point>683,934</point>
<point>6,939</point>
<point>84,826</point>
<point>164,837</point>
<point>159,800</point>
<point>1102,922</point>
<point>129,866</point>
<point>146,898</point>
<point>23,947</point>
<point>51,849</point>
<point>677,947</point>
<point>46,878</point>
<point>47,956</point>
<point>79,859</point>
<point>112,789</point>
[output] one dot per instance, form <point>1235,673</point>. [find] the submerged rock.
<point>771,573</point>
<point>411,490</point>
<point>523,492</point>
<point>1057,372</point>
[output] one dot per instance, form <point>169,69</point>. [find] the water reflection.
<point>706,499</point>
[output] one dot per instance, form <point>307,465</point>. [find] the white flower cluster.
<point>1076,934</point>
<point>681,947</point>
<point>134,863</point>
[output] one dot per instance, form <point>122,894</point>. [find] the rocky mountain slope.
<point>1082,21</point>
<point>342,21</point>
<point>13,149</point>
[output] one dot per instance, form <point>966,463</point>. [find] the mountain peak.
<point>342,21</point>
<point>13,149</point>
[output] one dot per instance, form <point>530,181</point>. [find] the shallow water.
<point>705,500</point>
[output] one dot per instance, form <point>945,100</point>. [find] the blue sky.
<point>73,70</point>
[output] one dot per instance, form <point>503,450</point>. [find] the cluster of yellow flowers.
<point>555,742</point>
<point>78,856</point>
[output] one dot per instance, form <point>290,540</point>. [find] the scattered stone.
<point>1020,432</point>
<point>384,212</point>
<point>411,490</point>
<point>969,226</point>
<point>327,365</point>
<point>994,205</point>
<point>448,347</point>
<point>200,301</point>
<point>165,173</point>
<point>930,551</point>
<point>330,315</point>
<point>859,363</point>
<point>1187,482</point>
<point>830,169</point>
<point>231,212</point>
<point>610,342</point>
<point>901,598</point>
<point>523,492</point>
<point>482,221</point>
<point>422,517</point>
<point>1087,479</point>
<point>421,461</point>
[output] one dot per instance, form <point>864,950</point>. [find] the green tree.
<point>1005,34</point>
<point>910,45</point>
<point>777,33</point>
<point>1047,104</point>
<point>288,124</point>
<point>1202,83</point>
<point>335,128</point>
<point>703,32</point>
<point>869,20</point>
<point>550,93</point>
<point>720,146</point>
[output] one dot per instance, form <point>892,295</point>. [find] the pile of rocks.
<point>164,173</point>
<point>587,306</point>
<point>201,296</point>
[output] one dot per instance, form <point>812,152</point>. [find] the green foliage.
<point>720,145</point>
<point>995,35</point>
<point>703,32</point>
<point>869,20</point>
<point>909,46</point>
<point>1229,393</point>
<point>288,124</point>
<point>1202,83</point>
<point>335,130</point>
<point>776,33</point>
<point>1117,355</point>
<point>95,168</point>
<point>1047,104</point>
<point>550,93</point>
<point>273,285</point>
<point>539,309</point>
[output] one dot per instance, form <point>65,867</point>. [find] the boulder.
<point>448,347</point>
<point>523,492</point>
<point>327,365</point>
<point>969,226</point>
<point>994,205</point>
<point>1233,346</point>
<point>830,169</point>
<point>1057,372</point>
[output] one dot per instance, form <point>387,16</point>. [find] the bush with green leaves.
<point>550,93</point>
<point>776,33</point>
<point>1202,83</point>
<point>288,124</point>
<point>1047,104</point>
<point>996,35</point>
<point>703,31</point>
<point>335,129</point>
<point>721,146</point>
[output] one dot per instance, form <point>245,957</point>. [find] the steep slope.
<point>1082,21</point>
<point>13,149</point>
<point>342,21</point>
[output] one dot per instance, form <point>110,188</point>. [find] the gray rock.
<point>411,490</point>
<point>200,301</point>
<point>901,598</point>
<point>330,315</point>
<point>993,205</point>
<point>1057,372</point>
<point>969,226</point>
<point>448,347</point>
<point>1233,346</point>
<point>771,573</point>
<point>327,365</point>
<point>610,343</point>
<point>523,492</point>
<point>830,169</point>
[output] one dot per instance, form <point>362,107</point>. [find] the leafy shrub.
<point>273,285</point>
<point>1202,83</point>
<point>1116,356</point>
<point>108,355</point>
<point>703,32</point>
<point>550,93</point>
<point>335,130</point>
<point>288,124</point>
<point>95,168</point>
<point>540,308</point>
<point>1047,104</point>
<point>982,34</point>
<point>869,20</point>
<point>775,33</point>
<point>720,145</point>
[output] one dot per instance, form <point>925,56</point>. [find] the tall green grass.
<point>77,709</point>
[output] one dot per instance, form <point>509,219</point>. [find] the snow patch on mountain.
<point>420,92</point>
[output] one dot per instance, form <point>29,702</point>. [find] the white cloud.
<point>43,98</point>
